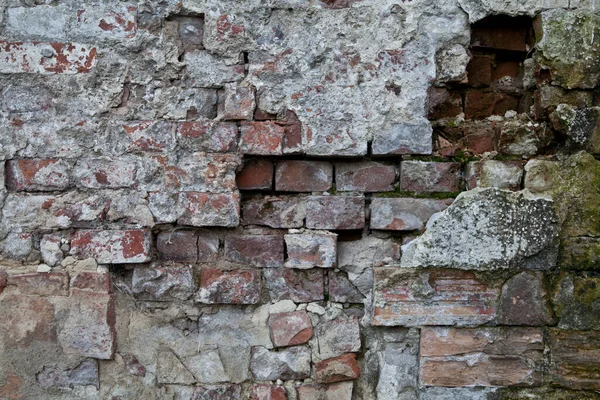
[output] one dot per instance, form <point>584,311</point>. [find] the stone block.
<point>163,283</point>
<point>342,368</point>
<point>275,212</point>
<point>209,209</point>
<point>308,250</point>
<point>256,250</point>
<point>303,176</point>
<point>365,176</point>
<point>286,364</point>
<point>229,287</point>
<point>404,214</point>
<point>112,246</point>
<point>337,337</point>
<point>300,286</point>
<point>38,175</point>
<point>290,328</point>
<point>425,176</point>
<point>335,212</point>
<point>257,174</point>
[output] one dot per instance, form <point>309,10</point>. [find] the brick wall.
<point>303,200</point>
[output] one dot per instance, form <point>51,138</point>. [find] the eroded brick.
<point>275,212</point>
<point>41,284</point>
<point>104,173</point>
<point>290,328</point>
<point>209,209</point>
<point>300,286</point>
<point>180,246</point>
<point>308,250</point>
<point>112,246</point>
<point>207,136</point>
<point>364,176</point>
<point>342,368</point>
<point>38,174</point>
<point>259,251</point>
<point>229,287</point>
<point>424,176</point>
<point>268,392</point>
<point>303,176</point>
<point>257,174</point>
<point>261,138</point>
<point>163,283</point>
<point>286,364</point>
<point>404,214</point>
<point>575,357</point>
<point>413,297</point>
<point>335,391</point>
<point>30,57</point>
<point>335,212</point>
<point>239,103</point>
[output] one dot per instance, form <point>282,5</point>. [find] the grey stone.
<point>163,283</point>
<point>488,229</point>
<point>338,337</point>
<point>285,364</point>
<point>84,374</point>
<point>405,138</point>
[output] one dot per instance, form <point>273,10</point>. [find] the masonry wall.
<point>299,199</point>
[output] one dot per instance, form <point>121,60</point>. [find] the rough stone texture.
<point>481,357</point>
<point>286,364</point>
<point>524,301</point>
<point>342,368</point>
<point>492,173</point>
<point>229,287</point>
<point>577,301</point>
<point>112,247</point>
<point>574,359</point>
<point>337,337</point>
<point>303,176</point>
<point>421,176</point>
<point>310,250</point>
<point>514,232</point>
<point>415,297</point>
<point>275,212</point>
<point>296,285</point>
<point>163,283</point>
<point>364,177</point>
<point>268,392</point>
<point>336,391</point>
<point>404,214</point>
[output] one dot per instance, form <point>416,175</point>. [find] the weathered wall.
<point>299,199</point>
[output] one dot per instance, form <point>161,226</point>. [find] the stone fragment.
<point>524,302</point>
<point>89,328</point>
<point>366,252</point>
<point>28,319</point>
<point>303,176</point>
<point>91,281</point>
<point>133,365</point>
<point>41,284</point>
<point>335,391</point>
<point>342,368</point>
<point>239,103</point>
<point>206,366</point>
<point>308,250</point>
<point>209,137</point>
<point>564,49</point>
<point>37,175</point>
<point>112,246</point>
<point>481,357</point>
<point>443,103</point>
<point>335,212</point>
<point>258,250</point>
<point>575,359</point>
<point>543,393</point>
<point>205,69</point>
<point>180,246</point>
<point>268,392</point>
<point>261,138</point>
<point>50,249</point>
<point>396,362</point>
<point>257,174</point>
<point>208,209</point>
<point>581,126</point>
<point>404,214</point>
<point>217,392</point>
<point>337,337</point>
<point>105,173</point>
<point>488,229</point>
<point>342,290</point>
<point>425,176</point>
<point>163,283</point>
<point>229,287</point>
<point>146,136</point>
<point>413,297</point>
<point>85,374</point>
<point>492,173</point>
<point>577,301</point>
<point>169,369</point>
<point>285,364</point>
<point>523,138</point>
<point>290,328</point>
<point>300,286</point>
<point>365,176</point>
<point>405,138</point>
<point>200,172</point>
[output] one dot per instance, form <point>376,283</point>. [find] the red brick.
<point>481,357</point>
<point>575,359</point>
<point>89,328</point>
<point>479,71</point>
<point>499,33</point>
<point>342,368</point>
<point>26,320</point>
<point>37,174</point>
<point>275,211</point>
<point>92,281</point>
<point>261,138</point>
<point>484,104</point>
<point>209,209</point>
<point>424,176</point>
<point>103,173</point>
<point>268,392</point>
<point>453,298</point>
<point>334,391</point>
<point>258,251</point>
<point>504,68</point>
<point>26,57</point>
<point>149,136</point>
<point>292,139</point>
<point>229,287</point>
<point>364,176</point>
<point>208,246</point>
<point>300,286</point>
<point>404,214</point>
<point>308,250</point>
<point>209,136</point>
<point>41,284</point>
<point>303,176</point>
<point>341,290</point>
<point>112,246</point>
<point>200,172</point>
<point>290,328</point>
<point>479,143</point>
<point>335,212</point>
<point>239,103</point>
<point>180,246</point>
<point>442,103</point>
<point>257,174</point>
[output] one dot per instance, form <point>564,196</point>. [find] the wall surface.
<point>299,199</point>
